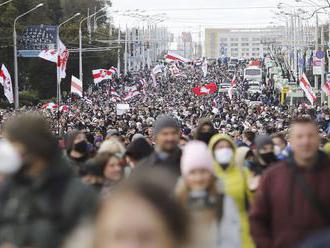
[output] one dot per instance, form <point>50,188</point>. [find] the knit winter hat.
<point>165,121</point>
<point>196,155</point>
<point>263,140</point>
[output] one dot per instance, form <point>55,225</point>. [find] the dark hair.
<point>280,136</point>
<point>33,131</point>
<point>101,159</point>
<point>154,186</point>
<point>249,135</point>
<point>303,120</point>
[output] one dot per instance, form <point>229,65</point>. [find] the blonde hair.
<point>112,146</point>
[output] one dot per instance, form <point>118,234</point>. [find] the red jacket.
<point>281,215</point>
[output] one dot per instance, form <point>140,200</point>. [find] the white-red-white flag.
<point>49,106</point>
<point>305,85</point>
<point>63,59</point>
<point>113,92</point>
<point>76,86</point>
<point>326,88</point>
<point>114,70</point>
<point>131,94</point>
<point>49,54</point>
<point>5,80</point>
<point>175,57</point>
<point>101,74</point>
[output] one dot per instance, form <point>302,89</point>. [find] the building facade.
<point>242,43</point>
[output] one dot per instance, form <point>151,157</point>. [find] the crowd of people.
<point>175,170</point>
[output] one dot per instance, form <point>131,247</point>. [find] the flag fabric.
<point>326,88</point>
<point>204,68</point>
<point>175,57</point>
<point>206,89</point>
<point>64,108</point>
<point>63,59</point>
<point>233,82</point>
<point>76,86</point>
<point>174,70</point>
<point>157,69</point>
<point>305,85</point>
<point>49,54</point>
<point>113,92</point>
<point>5,80</point>
<point>113,70</point>
<point>230,92</point>
<point>131,94</point>
<point>101,74</point>
<point>88,101</point>
<point>49,106</point>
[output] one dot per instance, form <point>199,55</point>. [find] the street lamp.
<point>15,53</point>
<point>58,56</point>
<point>2,4</point>
<point>80,41</point>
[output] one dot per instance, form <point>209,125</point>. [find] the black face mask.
<point>205,137</point>
<point>268,157</point>
<point>81,147</point>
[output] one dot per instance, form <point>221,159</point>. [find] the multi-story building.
<point>243,43</point>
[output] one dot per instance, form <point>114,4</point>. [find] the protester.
<point>293,199</point>
<point>141,213</point>
<point>216,221</point>
<point>167,153</point>
<point>235,180</point>
<point>281,148</point>
<point>41,201</point>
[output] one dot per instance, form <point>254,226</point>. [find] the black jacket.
<point>40,213</point>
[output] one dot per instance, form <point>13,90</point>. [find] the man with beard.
<point>167,154</point>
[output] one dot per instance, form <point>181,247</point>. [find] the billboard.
<point>36,38</point>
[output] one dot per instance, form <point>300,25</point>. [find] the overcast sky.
<point>189,15</point>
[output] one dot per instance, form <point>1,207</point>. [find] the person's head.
<point>248,137</point>
<point>280,142</point>
<point>304,139</point>
<point>196,166</point>
<point>223,150</point>
<point>141,213</point>
<point>76,144</point>
<point>205,131</point>
<point>265,149</point>
<point>112,146</point>
<point>137,150</point>
<point>110,165</point>
<point>166,133</point>
<point>31,136</point>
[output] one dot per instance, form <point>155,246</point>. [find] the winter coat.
<point>281,214</point>
<point>235,182</point>
<point>40,212</point>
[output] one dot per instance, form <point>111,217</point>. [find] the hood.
<point>240,155</point>
<point>215,139</point>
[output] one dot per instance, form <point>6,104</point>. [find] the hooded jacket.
<point>236,186</point>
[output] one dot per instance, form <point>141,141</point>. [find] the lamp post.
<point>2,4</point>
<point>80,42</point>
<point>59,55</point>
<point>15,52</point>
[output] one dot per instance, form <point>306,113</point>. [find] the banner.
<point>305,85</point>
<point>122,109</point>
<point>35,39</point>
<point>318,62</point>
<point>326,88</point>
<point>206,89</point>
<point>175,57</point>
<point>5,81</point>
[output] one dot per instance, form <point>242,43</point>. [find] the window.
<point>233,39</point>
<point>255,44</point>
<point>234,44</point>
<point>223,39</point>
<point>255,49</point>
<point>234,49</point>
<point>245,44</point>
<point>255,39</point>
<point>245,39</point>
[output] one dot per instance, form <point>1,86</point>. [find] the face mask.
<point>223,156</point>
<point>205,137</point>
<point>268,158</point>
<point>10,160</point>
<point>249,164</point>
<point>81,147</point>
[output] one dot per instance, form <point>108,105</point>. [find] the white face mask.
<point>10,160</point>
<point>224,155</point>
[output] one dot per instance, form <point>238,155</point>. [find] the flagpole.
<point>15,53</point>
<point>2,4</point>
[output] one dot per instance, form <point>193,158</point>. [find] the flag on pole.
<point>5,80</point>
<point>49,106</point>
<point>76,86</point>
<point>305,85</point>
<point>101,74</point>
<point>204,68</point>
<point>206,89</point>
<point>60,59</point>
<point>175,57</point>
<point>326,88</point>
<point>113,70</point>
<point>113,92</point>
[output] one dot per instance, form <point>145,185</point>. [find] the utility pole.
<point>316,78</point>
<point>125,55</point>
<point>118,51</point>
<point>322,67</point>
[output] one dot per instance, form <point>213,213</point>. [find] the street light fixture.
<point>80,41</point>
<point>15,53</point>
<point>58,54</point>
<point>2,4</point>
